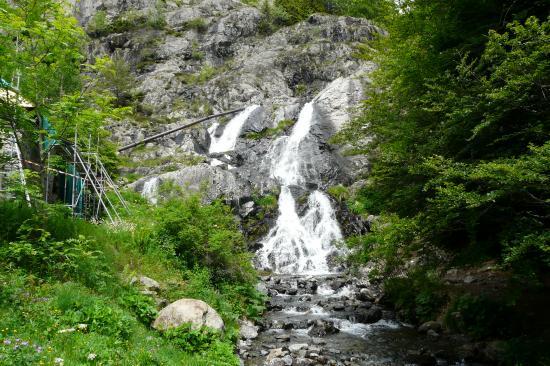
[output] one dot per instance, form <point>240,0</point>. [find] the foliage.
<point>115,75</point>
<point>418,297</point>
<point>268,202</point>
<point>481,317</point>
<point>339,193</point>
<point>282,126</point>
<point>40,52</point>
<point>206,73</point>
<point>203,341</point>
<point>199,24</point>
<point>142,306</point>
<point>204,235</point>
<point>73,315</point>
<point>460,135</point>
<point>100,25</point>
<point>288,12</point>
<point>456,130</point>
<point>192,340</point>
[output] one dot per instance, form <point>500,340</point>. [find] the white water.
<point>228,140</point>
<point>299,245</point>
<point>150,188</point>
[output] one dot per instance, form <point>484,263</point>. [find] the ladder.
<point>95,176</point>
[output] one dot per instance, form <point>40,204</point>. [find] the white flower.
<point>58,361</point>
<point>92,356</point>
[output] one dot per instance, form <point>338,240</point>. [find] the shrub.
<point>98,25</point>
<point>267,202</point>
<point>480,317</point>
<point>199,24</point>
<point>339,193</point>
<point>36,251</point>
<point>207,236</point>
<point>142,306</point>
<point>205,341</point>
<point>282,126</point>
<point>418,297</point>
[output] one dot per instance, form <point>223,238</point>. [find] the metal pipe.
<point>154,137</point>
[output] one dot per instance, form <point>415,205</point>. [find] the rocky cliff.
<point>193,58</point>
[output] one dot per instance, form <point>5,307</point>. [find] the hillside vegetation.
<point>460,120</point>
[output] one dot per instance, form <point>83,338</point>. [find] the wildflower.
<point>24,343</point>
<point>7,342</point>
<point>82,326</point>
<point>58,361</point>
<point>92,356</point>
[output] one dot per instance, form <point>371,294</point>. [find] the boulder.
<point>322,328</point>
<point>196,312</point>
<point>275,353</point>
<point>365,294</point>
<point>147,283</point>
<point>247,329</point>
<point>431,325</point>
<point>368,316</point>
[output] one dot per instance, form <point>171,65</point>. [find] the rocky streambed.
<point>336,320</point>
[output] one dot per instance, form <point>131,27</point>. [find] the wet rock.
<point>276,353</point>
<point>297,346</point>
<point>420,358</point>
<point>337,284</point>
<point>246,209</point>
<point>430,325</point>
<point>302,361</point>
<point>262,288</point>
<point>247,329</point>
<point>292,291</point>
<point>365,294</point>
<point>322,328</point>
<point>432,333</point>
<point>283,337</point>
<point>368,316</point>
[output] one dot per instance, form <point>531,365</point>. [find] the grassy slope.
<point>43,293</point>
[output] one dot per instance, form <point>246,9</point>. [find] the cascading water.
<point>298,244</point>
<point>228,140</point>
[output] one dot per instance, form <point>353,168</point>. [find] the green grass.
<point>48,284</point>
<point>271,132</point>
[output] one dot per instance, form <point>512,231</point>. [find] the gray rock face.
<point>202,178</point>
<point>184,72</point>
<point>196,312</point>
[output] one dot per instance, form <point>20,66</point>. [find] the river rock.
<point>247,329</point>
<point>365,294</point>
<point>322,328</point>
<point>297,346</point>
<point>276,353</point>
<point>196,312</point>
<point>430,325</point>
<point>368,316</point>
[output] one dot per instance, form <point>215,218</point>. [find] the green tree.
<point>459,114</point>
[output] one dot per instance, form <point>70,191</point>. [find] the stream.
<point>318,314</point>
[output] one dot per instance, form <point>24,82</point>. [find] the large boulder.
<point>196,312</point>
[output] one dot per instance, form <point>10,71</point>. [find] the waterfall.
<point>228,140</point>
<point>150,188</point>
<point>298,244</point>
